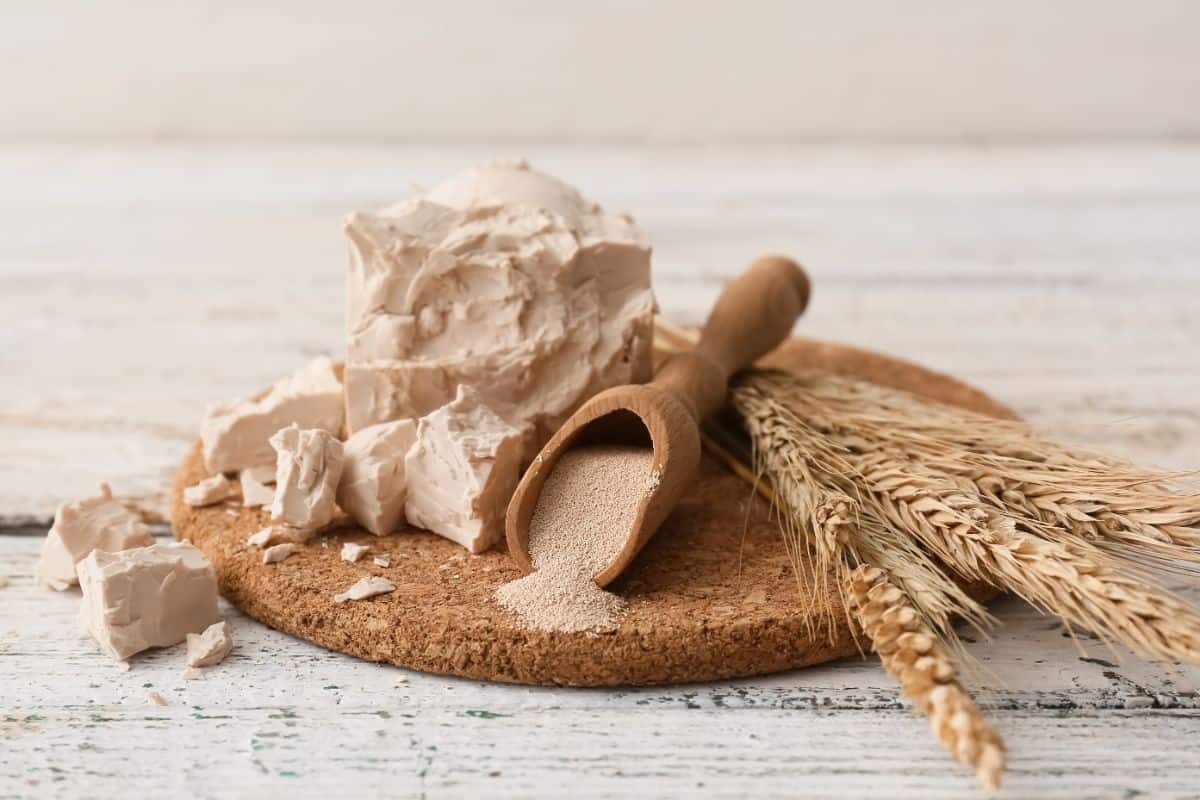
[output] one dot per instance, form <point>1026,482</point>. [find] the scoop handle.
<point>753,315</point>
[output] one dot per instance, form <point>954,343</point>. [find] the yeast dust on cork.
<point>583,516</point>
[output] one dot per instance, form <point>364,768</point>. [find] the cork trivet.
<point>712,596</point>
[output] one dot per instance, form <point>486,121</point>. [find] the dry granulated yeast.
<point>580,523</point>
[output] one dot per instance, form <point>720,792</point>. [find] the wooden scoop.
<point>752,316</point>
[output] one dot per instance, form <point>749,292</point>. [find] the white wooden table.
<point>138,283</point>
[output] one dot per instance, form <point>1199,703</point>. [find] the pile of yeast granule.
<point>582,519</point>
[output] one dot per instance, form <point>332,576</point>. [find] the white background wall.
<point>608,70</point>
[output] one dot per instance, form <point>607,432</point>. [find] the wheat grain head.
<point>912,655</point>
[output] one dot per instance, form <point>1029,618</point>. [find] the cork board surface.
<point>712,596</point>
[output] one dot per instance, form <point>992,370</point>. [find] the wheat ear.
<point>1078,582</point>
<point>911,654</point>
<point>910,475</point>
<point>819,513</point>
<point>812,518</point>
<point>1146,527</point>
<point>1056,490</point>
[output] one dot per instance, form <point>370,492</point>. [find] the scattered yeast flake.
<point>369,586</point>
<point>352,551</point>
<point>210,647</point>
<point>260,538</point>
<point>277,553</point>
<point>209,491</point>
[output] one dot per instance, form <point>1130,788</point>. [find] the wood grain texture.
<point>280,716</point>
<point>146,268</point>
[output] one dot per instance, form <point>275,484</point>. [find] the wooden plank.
<point>280,714</point>
<point>384,748</point>
<point>142,283</point>
<point>1031,663</point>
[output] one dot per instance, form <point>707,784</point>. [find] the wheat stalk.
<point>1142,525</point>
<point>812,517</point>
<point>915,483</point>
<point>1048,488</point>
<point>912,655</point>
<point>1077,582</point>
<point>819,515</point>
<point>875,477</point>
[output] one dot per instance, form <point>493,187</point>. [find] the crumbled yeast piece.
<point>462,472</point>
<point>307,470</point>
<point>153,698</point>
<point>211,647</point>
<point>258,485</point>
<point>191,674</point>
<point>95,523</point>
<point>373,487</point>
<point>260,538</point>
<point>380,561</point>
<point>353,552</point>
<point>212,489</point>
<point>236,435</point>
<point>277,553</point>
<point>366,587</point>
<point>146,597</point>
<point>263,473</point>
<point>503,279</point>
